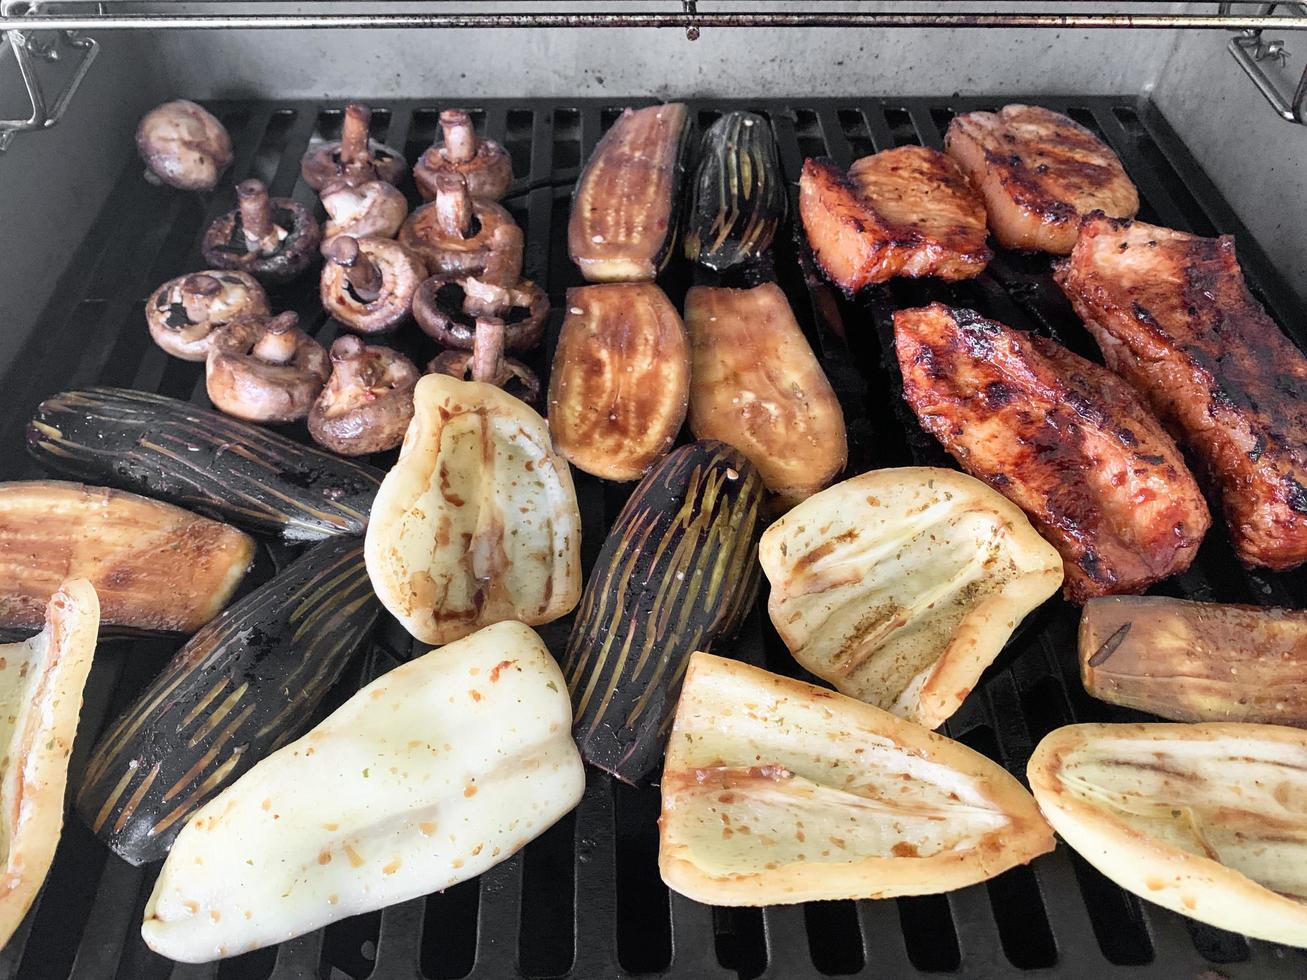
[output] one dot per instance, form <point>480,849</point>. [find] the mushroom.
<point>368,283</point>
<point>486,363</point>
<point>446,307</point>
<point>371,210</point>
<point>265,369</point>
<point>368,401</point>
<point>354,158</point>
<point>183,145</point>
<point>484,163</point>
<point>457,234</point>
<point>273,239</point>
<point>185,313</point>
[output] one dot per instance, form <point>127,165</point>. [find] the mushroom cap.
<point>322,165</point>
<point>439,309</point>
<point>184,145</point>
<point>514,377</point>
<point>401,273</point>
<point>242,383</point>
<point>224,243</point>
<point>492,252</point>
<point>374,209</point>
<point>367,403</point>
<point>239,294</point>
<point>488,174</point>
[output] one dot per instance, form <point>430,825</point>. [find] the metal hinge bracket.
<point>31,47</point>
<point>1252,51</point>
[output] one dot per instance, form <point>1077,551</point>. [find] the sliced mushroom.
<point>368,283</point>
<point>354,157</point>
<point>371,210</point>
<point>273,239</point>
<point>457,234</point>
<point>486,363</point>
<point>446,307</point>
<point>184,313</point>
<point>484,163</point>
<point>265,369</point>
<point>183,145</point>
<point>368,401</point>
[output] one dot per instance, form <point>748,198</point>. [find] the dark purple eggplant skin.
<point>648,605</point>
<point>245,685</point>
<point>204,461</point>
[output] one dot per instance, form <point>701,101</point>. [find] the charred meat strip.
<point>1062,438</point>
<point>1039,172</point>
<point>904,212</point>
<point>1173,317</point>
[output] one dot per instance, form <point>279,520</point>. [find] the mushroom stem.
<point>363,274</point>
<point>279,342</point>
<point>197,293</point>
<point>484,299</point>
<point>256,217</point>
<point>350,363</point>
<point>460,136</point>
<point>488,350</point>
<point>354,134</point>
<point>453,206</point>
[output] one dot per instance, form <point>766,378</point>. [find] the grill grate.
<point>585,899</point>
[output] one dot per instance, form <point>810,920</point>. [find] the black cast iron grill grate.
<point>585,900</point>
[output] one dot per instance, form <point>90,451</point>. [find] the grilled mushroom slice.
<point>273,239</point>
<point>184,313</point>
<point>486,363</point>
<point>457,234</point>
<point>368,283</point>
<point>447,307</point>
<point>371,210</point>
<point>354,157</point>
<point>484,163</point>
<point>183,145</point>
<point>368,401</point>
<point>265,369</point>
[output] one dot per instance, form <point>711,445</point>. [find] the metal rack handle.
<point>1251,51</point>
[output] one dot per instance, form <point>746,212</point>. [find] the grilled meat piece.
<point>1039,172</point>
<point>1173,317</point>
<point>904,212</point>
<point>1065,440</point>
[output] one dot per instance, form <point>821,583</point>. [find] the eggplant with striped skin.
<point>620,385</point>
<point>154,567</point>
<point>677,574</point>
<point>203,461</point>
<point>738,197</point>
<point>624,213</point>
<point>244,686</point>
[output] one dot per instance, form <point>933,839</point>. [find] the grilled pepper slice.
<point>1196,661</point>
<point>676,574</point>
<point>477,521</point>
<point>625,209</point>
<point>428,776</point>
<point>243,686</point>
<point>776,792</point>
<point>154,566</point>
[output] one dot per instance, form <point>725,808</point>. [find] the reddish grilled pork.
<point>1062,438</point>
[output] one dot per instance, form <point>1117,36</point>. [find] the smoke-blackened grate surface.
<point>585,899</point>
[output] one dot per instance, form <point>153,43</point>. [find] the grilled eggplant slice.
<point>428,776</point>
<point>1196,661</point>
<point>676,574</point>
<point>477,522</point>
<point>1205,820</point>
<point>41,683</point>
<point>776,792</point>
<point>738,197</point>
<point>244,686</point>
<point>620,384</point>
<point>203,461</point>
<point>901,586</point>
<point>756,385</point>
<point>625,210</point>
<point>153,566</point>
